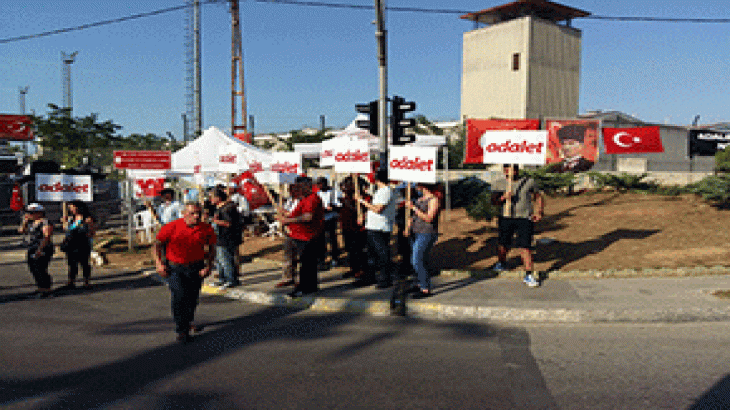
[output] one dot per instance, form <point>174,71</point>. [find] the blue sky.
<point>302,62</point>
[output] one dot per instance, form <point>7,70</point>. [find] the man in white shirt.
<point>331,205</point>
<point>170,209</point>
<point>379,224</point>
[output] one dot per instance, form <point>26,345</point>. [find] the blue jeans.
<point>421,257</point>
<point>184,283</point>
<point>225,260</point>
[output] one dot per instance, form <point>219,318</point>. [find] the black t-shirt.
<point>228,236</point>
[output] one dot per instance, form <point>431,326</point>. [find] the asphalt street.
<point>113,347</point>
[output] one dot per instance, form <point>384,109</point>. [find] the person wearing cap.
<point>379,223</point>
<point>188,244</point>
<point>40,248</point>
<point>306,223</point>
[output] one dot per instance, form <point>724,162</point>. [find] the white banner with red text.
<point>514,147</point>
<point>352,156</point>
<point>327,152</point>
<point>61,188</point>
<point>412,164</point>
<point>286,163</point>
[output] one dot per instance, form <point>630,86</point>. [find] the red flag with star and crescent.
<point>639,140</point>
<point>16,128</point>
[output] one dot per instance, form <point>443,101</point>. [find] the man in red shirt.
<point>306,225</point>
<point>188,245</point>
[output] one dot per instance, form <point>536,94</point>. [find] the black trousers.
<point>330,232</point>
<point>308,259</point>
<point>76,258</point>
<point>379,254</point>
<point>185,283</point>
<point>355,242</point>
<point>39,268</point>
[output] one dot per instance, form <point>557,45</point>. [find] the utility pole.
<point>381,36</point>
<point>185,127</point>
<point>197,68</point>
<point>23,91</point>
<point>237,85</point>
<point>68,59</point>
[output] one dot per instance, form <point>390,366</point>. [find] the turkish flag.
<point>16,128</point>
<point>474,152</point>
<point>640,140</point>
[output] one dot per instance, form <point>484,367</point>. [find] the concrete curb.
<point>442,311</point>
<point>577,274</point>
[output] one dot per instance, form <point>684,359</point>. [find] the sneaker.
<point>499,267</point>
<point>531,281</point>
<point>334,264</point>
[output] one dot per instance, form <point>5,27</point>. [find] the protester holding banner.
<point>187,243</point>
<point>77,243</point>
<point>353,232</point>
<point>227,226</point>
<point>306,223</point>
<point>522,205</point>
<point>379,225</point>
<point>424,234</point>
<point>40,249</point>
<point>291,254</point>
<point>331,203</point>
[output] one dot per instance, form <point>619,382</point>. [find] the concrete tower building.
<point>524,63</point>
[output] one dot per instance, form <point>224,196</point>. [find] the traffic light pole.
<point>381,36</point>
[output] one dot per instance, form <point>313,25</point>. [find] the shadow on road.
<point>718,397</point>
<point>124,379</point>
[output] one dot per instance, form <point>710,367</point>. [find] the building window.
<point>516,62</point>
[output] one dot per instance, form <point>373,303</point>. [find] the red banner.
<point>572,145</point>
<point>474,152</point>
<point>16,128</point>
<point>640,140</point>
<point>246,137</point>
<point>146,160</point>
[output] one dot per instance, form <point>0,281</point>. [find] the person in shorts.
<point>516,226</point>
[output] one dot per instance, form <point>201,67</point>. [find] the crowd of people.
<point>206,233</point>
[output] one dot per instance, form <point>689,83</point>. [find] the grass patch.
<point>723,294</point>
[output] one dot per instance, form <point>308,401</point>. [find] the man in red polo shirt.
<point>189,245</point>
<point>306,226</point>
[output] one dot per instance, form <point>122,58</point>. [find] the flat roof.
<point>543,9</point>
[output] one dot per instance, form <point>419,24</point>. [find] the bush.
<point>722,160</point>
<point>551,182</point>
<point>714,188</point>
<point>481,208</point>
<point>623,182</point>
<point>466,190</point>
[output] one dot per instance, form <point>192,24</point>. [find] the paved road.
<point>112,347</point>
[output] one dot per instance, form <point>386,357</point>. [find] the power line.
<point>347,6</point>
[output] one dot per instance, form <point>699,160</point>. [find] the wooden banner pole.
<point>508,192</point>
<point>408,210</point>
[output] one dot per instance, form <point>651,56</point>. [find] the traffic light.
<point>371,109</point>
<point>399,122</point>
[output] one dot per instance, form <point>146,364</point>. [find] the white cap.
<point>35,207</point>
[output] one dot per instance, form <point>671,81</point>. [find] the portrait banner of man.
<point>572,145</point>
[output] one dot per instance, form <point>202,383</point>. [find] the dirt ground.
<point>583,232</point>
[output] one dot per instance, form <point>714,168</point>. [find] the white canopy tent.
<point>204,152</point>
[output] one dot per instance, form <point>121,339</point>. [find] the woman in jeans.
<point>79,232</point>
<point>424,233</point>
<point>40,248</point>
